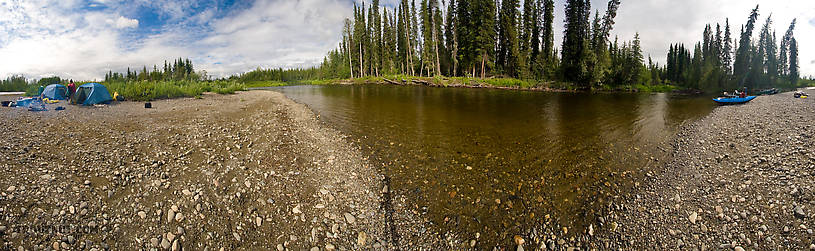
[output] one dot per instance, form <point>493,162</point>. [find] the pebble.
<point>349,218</point>
<point>165,244</point>
<point>329,247</point>
<point>799,212</point>
<point>692,217</point>
<point>362,239</point>
<point>296,210</point>
<point>170,237</point>
<point>142,214</point>
<point>519,240</point>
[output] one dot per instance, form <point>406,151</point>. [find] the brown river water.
<point>500,162</point>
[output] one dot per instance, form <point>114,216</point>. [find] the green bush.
<point>152,90</point>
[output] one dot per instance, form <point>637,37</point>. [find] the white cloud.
<point>274,34</point>
<point>124,22</point>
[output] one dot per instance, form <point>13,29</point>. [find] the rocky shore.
<point>247,171</point>
<point>743,178</point>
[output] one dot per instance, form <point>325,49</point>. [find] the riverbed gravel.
<point>253,170</point>
<point>742,178</point>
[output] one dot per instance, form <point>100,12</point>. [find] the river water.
<point>500,162</point>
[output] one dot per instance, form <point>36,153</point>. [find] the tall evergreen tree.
<point>575,51</point>
<point>510,58</point>
<point>727,49</point>
<point>794,74</point>
<point>548,40</point>
<point>784,54</point>
<point>451,39</point>
<point>741,65</point>
<point>535,37</point>
<point>528,25</point>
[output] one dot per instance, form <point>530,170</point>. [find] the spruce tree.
<point>451,41</point>
<point>528,25</point>
<point>548,38</point>
<point>784,54</point>
<point>741,65</point>
<point>510,59</point>
<point>794,74</point>
<point>727,49</point>
<point>574,50</point>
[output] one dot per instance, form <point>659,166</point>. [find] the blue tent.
<point>91,94</point>
<point>55,92</point>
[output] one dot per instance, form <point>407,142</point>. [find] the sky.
<point>84,39</point>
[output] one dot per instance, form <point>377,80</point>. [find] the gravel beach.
<point>253,170</point>
<point>742,178</point>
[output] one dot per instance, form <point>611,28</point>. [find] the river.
<point>500,162</point>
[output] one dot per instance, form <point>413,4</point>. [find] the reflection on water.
<point>497,162</point>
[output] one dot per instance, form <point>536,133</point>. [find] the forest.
<point>486,38</point>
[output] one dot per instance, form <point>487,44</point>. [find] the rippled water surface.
<point>497,162</point>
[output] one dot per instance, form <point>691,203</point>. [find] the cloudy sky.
<point>83,39</point>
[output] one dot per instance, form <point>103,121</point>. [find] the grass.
<point>654,88</point>
<point>152,90</point>
<point>270,83</point>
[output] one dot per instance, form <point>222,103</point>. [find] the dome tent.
<point>91,94</point>
<point>55,92</point>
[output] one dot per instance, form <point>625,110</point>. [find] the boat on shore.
<point>733,100</point>
<point>768,92</point>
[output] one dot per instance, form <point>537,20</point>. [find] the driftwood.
<point>421,82</point>
<point>391,81</point>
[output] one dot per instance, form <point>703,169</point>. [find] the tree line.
<point>278,75</point>
<point>179,69</point>
<point>18,83</point>
<point>721,62</point>
<point>483,38</point>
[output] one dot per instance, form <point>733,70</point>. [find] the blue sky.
<point>83,39</point>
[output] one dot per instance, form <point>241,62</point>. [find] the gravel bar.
<point>253,170</point>
<point>742,178</point>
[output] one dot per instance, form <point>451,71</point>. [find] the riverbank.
<point>741,179</point>
<point>488,83</point>
<point>250,170</point>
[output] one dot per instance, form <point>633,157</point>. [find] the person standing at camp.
<point>71,91</point>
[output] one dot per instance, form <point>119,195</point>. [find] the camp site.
<point>407,125</point>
